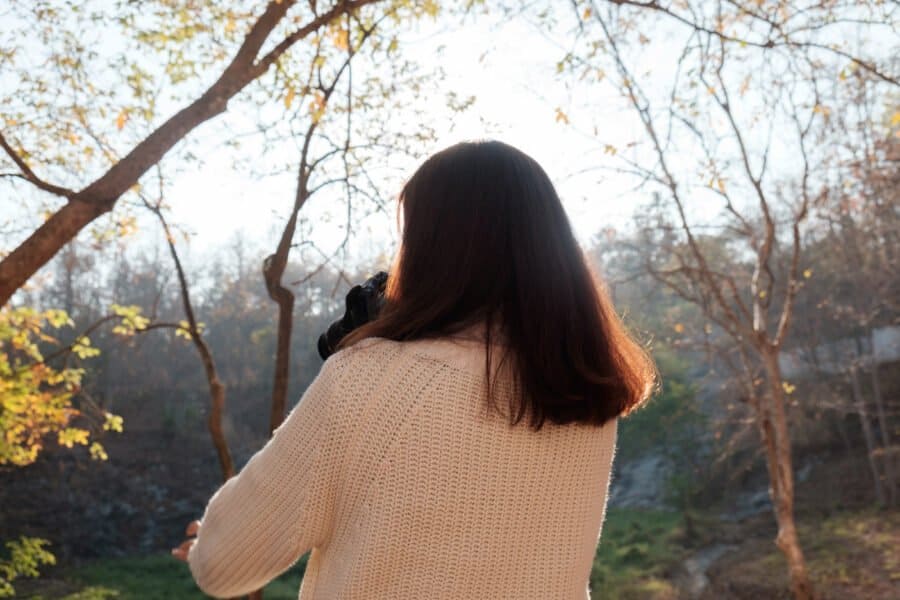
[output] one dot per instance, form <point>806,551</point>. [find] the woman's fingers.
<point>193,527</point>
<point>181,552</point>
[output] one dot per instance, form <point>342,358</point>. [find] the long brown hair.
<point>486,239</point>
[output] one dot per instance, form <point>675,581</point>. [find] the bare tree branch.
<point>29,175</point>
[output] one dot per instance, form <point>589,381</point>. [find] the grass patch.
<point>849,555</point>
<point>637,548</point>
<point>156,577</point>
<point>853,548</point>
<point>849,547</point>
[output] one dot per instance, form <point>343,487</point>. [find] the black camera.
<point>363,304</point>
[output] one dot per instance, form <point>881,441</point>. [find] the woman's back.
<point>393,472</point>
<point>441,499</point>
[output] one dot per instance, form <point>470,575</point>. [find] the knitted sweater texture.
<point>394,473</point>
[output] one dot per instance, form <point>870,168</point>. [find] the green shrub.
<point>636,550</point>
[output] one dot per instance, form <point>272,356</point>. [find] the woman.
<point>459,445</point>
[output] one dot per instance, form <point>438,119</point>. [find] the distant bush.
<point>670,421</point>
<point>637,549</point>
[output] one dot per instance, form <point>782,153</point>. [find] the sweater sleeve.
<point>280,505</point>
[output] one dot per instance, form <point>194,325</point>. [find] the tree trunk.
<point>20,264</point>
<point>889,473</point>
<point>868,435</point>
<point>70,261</point>
<point>216,387</point>
<point>217,393</point>
<point>774,429</point>
<point>273,271</point>
<point>285,301</point>
<point>842,431</point>
<point>216,390</point>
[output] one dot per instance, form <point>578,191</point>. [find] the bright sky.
<point>511,70</point>
<point>510,66</point>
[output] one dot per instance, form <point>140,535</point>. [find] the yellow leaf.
<point>230,25</point>
<point>121,119</point>
<point>431,8</point>
<point>762,294</point>
<point>711,90</point>
<point>97,452</point>
<point>721,184</point>
<point>895,118</point>
<point>289,97</point>
<point>787,387</point>
<point>113,423</point>
<point>341,39</point>
<point>679,328</point>
<point>587,13</point>
<point>317,107</point>
<point>70,436</point>
<point>807,273</point>
<point>183,330</point>
<point>610,149</point>
<point>561,117</point>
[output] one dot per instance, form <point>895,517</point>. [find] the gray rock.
<point>694,580</point>
<point>758,501</point>
<point>641,483</point>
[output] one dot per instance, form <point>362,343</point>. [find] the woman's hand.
<point>181,552</point>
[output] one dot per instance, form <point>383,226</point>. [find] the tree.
<point>343,132</point>
<point>192,329</point>
<point>748,80</point>
<point>35,397</point>
<point>36,403</point>
<point>84,204</point>
<point>853,255</point>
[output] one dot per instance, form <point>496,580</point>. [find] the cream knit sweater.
<point>392,472</point>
